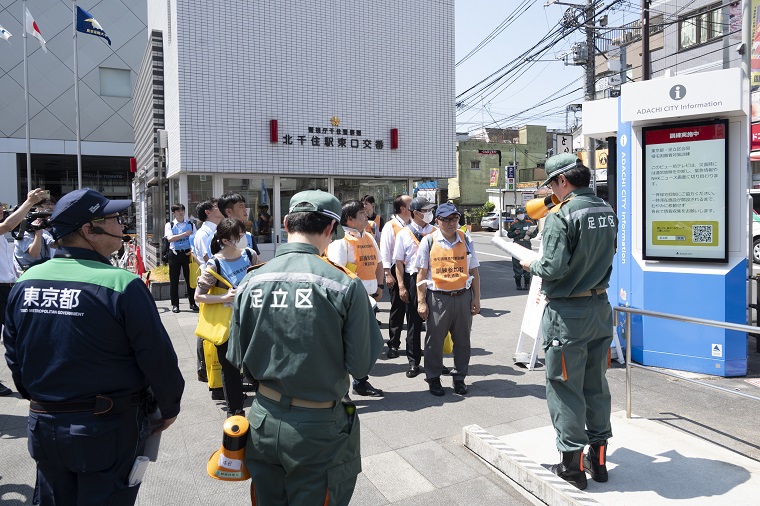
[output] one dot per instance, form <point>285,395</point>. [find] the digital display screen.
<point>685,191</point>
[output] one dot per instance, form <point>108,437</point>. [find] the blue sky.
<point>475,20</point>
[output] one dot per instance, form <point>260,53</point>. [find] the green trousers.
<point>301,456</point>
<point>577,335</point>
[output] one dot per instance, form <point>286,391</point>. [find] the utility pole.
<point>590,78</point>
<point>646,71</point>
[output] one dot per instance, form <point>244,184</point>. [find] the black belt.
<point>455,293</point>
<point>98,406</point>
<point>7,284</point>
<point>181,251</point>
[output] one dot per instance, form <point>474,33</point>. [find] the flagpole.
<point>26,99</point>
<point>76,93</point>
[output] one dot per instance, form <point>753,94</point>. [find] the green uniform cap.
<point>559,164</point>
<point>317,201</point>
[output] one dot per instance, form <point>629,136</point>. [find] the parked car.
<point>490,221</point>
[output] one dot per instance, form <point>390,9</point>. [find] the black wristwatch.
<point>381,286</point>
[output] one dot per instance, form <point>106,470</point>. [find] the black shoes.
<point>459,387</point>
<point>445,371</point>
<point>202,377</point>
<point>595,461</point>
<point>367,390</point>
<point>239,412</point>
<point>413,372</point>
<point>434,384</point>
<point>4,390</point>
<point>571,469</point>
<point>217,394</point>
<point>392,352</point>
<point>175,309</point>
<point>194,307</point>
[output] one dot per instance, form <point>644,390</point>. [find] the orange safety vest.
<point>448,267</point>
<point>373,225</point>
<point>365,255</point>
<point>396,227</point>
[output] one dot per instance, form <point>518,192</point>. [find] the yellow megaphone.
<point>227,463</point>
<point>540,207</point>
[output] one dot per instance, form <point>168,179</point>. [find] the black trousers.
<point>397,314</point>
<point>413,322</point>
<point>232,382</point>
<point>85,459</point>
<point>5,290</point>
<point>176,262</point>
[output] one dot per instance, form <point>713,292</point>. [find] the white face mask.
<point>242,242</point>
<point>427,217</point>
<point>520,216</point>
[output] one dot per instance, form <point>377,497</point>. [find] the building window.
<point>169,21</point>
<point>474,164</point>
<point>115,82</point>
<point>700,27</point>
<point>256,191</point>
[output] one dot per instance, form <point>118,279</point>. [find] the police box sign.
<point>683,96</point>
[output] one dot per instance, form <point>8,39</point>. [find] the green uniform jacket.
<point>301,325</point>
<point>518,231</point>
<point>578,246</point>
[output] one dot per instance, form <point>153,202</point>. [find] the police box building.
<point>270,98</point>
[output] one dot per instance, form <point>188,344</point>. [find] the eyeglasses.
<point>121,220</point>
<point>449,219</point>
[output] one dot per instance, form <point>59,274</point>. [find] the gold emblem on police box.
<point>334,121</point>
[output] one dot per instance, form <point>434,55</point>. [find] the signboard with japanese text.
<point>685,191</point>
<point>563,143</point>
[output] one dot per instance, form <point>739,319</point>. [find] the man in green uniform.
<point>579,244</point>
<point>301,325</point>
<point>520,231</point>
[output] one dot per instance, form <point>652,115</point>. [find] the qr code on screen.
<point>701,233</point>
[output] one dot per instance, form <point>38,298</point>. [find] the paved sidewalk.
<point>412,441</point>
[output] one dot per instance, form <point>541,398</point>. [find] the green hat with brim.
<point>317,201</point>
<point>559,164</point>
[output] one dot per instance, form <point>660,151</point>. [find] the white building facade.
<point>269,98</point>
<point>107,75</point>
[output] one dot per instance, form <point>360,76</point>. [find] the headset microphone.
<point>100,231</point>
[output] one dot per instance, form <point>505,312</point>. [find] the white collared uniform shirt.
<point>423,256</point>
<point>406,247</point>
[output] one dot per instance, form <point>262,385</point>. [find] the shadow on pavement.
<point>673,419</point>
<point>13,494</point>
<point>675,476</point>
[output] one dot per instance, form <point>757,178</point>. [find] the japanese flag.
<point>34,30</point>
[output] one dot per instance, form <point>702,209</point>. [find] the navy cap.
<point>446,209</point>
<point>420,203</point>
<point>79,207</point>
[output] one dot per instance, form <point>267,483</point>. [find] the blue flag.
<point>263,193</point>
<point>88,24</point>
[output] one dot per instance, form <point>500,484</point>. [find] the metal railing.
<point>687,319</point>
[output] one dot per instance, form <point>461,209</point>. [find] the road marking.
<point>494,255</point>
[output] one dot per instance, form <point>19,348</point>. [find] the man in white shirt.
<point>178,232</point>
<point>448,295</point>
<point>405,255</point>
<point>357,251</point>
<point>401,218</point>
<point>209,214</point>
<point>8,271</point>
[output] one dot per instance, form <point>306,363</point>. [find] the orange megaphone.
<point>540,207</point>
<point>226,463</point>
